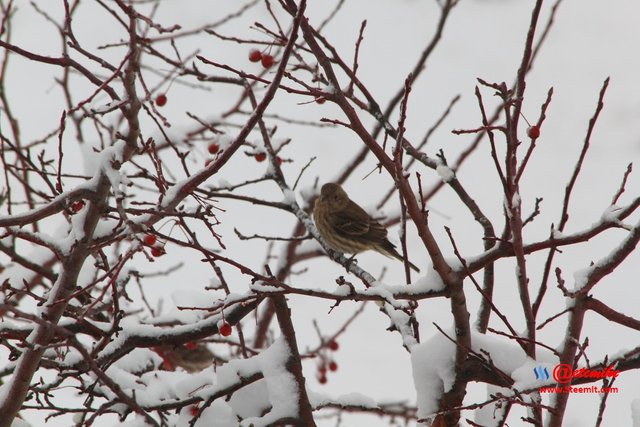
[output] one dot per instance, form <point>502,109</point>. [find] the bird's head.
<point>333,196</point>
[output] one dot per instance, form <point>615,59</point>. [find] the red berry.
<point>333,366</point>
<point>278,161</point>
<point>191,345</point>
<point>322,379</point>
<point>213,148</point>
<point>76,206</point>
<point>533,132</point>
<point>267,61</point>
<point>193,410</point>
<point>260,157</point>
<point>333,345</point>
<point>161,100</point>
<point>149,239</point>
<point>158,251</point>
<point>320,100</point>
<point>255,55</point>
<point>225,329</point>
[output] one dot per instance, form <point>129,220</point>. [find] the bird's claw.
<point>351,260</point>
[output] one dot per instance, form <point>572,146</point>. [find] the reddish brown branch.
<point>612,315</point>
<point>564,215</point>
<point>294,365</point>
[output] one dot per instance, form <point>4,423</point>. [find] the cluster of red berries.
<point>327,363</point>
<point>255,55</point>
<point>156,250</point>
<point>265,59</point>
<point>261,156</point>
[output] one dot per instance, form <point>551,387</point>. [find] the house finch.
<point>192,358</point>
<point>346,227</point>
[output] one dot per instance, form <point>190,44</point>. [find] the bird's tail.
<point>413,267</point>
<point>390,250</point>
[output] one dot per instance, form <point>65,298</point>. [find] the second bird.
<point>346,227</point>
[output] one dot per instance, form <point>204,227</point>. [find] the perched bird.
<point>192,357</point>
<point>346,227</point>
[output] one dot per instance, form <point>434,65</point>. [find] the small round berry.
<point>320,100</point>
<point>161,100</point>
<point>190,345</point>
<point>533,132</point>
<point>76,206</point>
<point>267,61</point>
<point>193,410</point>
<point>278,161</point>
<point>225,329</point>
<point>158,251</point>
<point>260,157</point>
<point>322,379</point>
<point>333,366</point>
<point>213,148</point>
<point>333,345</point>
<point>149,239</point>
<point>255,55</point>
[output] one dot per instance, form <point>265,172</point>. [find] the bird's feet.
<point>351,260</point>
<point>335,255</point>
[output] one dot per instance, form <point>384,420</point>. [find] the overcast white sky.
<point>589,41</point>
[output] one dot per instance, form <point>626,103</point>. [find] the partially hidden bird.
<point>346,227</point>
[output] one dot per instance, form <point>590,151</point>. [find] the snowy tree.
<point>160,265</point>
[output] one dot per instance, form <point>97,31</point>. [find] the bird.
<point>347,228</point>
<point>192,357</point>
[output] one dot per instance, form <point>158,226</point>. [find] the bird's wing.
<point>351,221</point>
<point>377,232</point>
<point>354,221</point>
